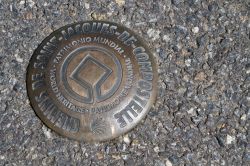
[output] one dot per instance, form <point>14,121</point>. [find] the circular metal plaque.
<point>92,80</point>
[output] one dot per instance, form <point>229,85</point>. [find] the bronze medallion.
<point>92,80</point>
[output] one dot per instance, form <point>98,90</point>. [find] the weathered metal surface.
<point>92,81</point>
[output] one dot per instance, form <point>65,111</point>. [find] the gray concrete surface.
<point>201,115</point>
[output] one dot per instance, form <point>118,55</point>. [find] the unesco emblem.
<point>100,72</point>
